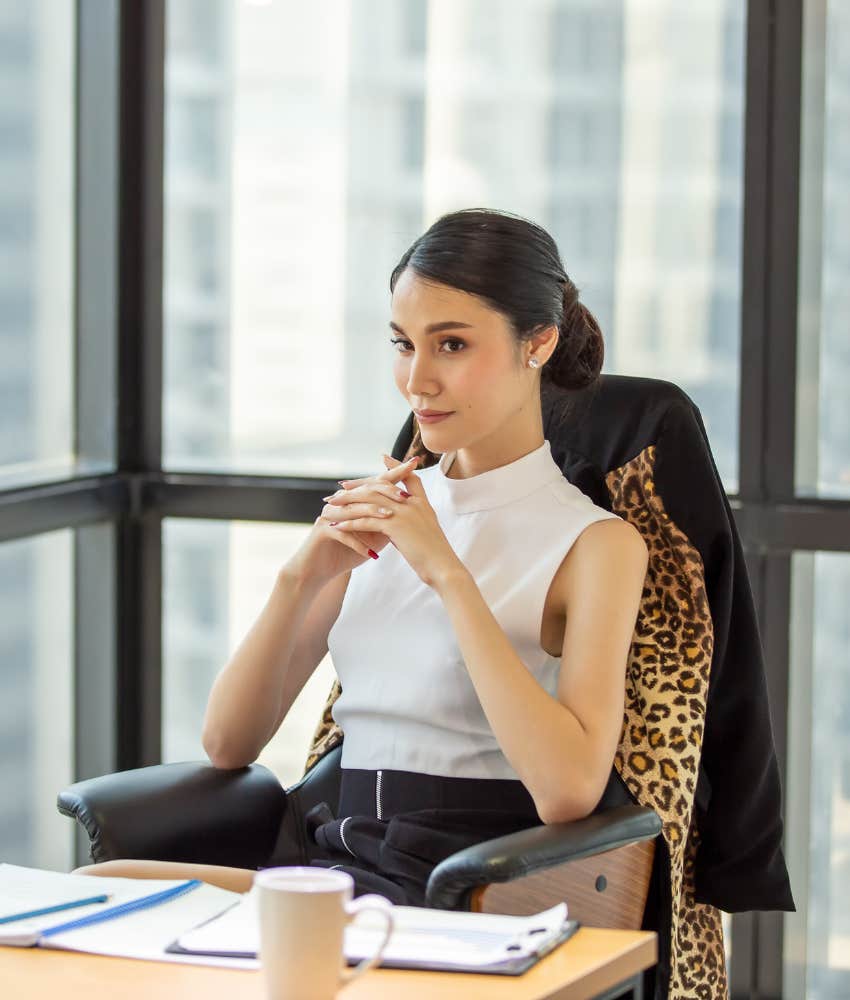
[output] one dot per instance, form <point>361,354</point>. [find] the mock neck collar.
<point>499,486</point>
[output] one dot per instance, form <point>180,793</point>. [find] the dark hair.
<point>514,265</point>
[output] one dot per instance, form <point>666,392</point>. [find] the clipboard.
<point>504,967</point>
<point>509,967</point>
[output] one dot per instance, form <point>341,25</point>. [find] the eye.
<point>454,340</point>
<point>402,344</point>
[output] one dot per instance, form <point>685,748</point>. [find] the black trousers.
<point>393,827</point>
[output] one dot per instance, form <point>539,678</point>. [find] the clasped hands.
<point>405,516</point>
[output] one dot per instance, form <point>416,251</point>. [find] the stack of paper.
<point>141,932</point>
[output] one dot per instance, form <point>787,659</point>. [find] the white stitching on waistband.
<point>342,836</point>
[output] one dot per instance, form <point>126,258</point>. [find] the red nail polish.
<point>334,523</point>
<point>404,493</point>
<point>373,554</point>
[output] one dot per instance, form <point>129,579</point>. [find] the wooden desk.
<point>587,965</point>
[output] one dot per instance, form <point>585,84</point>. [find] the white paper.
<point>421,935</point>
<point>143,934</point>
<point>23,889</point>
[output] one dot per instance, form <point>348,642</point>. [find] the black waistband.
<point>386,793</point>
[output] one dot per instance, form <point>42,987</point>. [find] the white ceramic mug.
<point>303,914</point>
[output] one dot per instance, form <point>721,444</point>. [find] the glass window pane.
<point>36,706</point>
<point>308,145</point>
<point>823,403</point>
<point>36,239</point>
<point>217,576</point>
<point>817,936</point>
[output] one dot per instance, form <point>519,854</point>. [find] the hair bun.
<point>578,358</point>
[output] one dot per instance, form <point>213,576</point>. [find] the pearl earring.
<point>533,363</point>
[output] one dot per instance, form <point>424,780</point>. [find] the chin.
<point>440,441</point>
<point>435,441</point>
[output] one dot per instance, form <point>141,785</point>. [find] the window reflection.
<point>318,141</point>
<point>817,956</point>
<point>36,706</point>
<point>823,361</point>
<point>216,578</point>
<point>36,238</point>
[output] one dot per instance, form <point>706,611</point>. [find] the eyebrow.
<point>448,324</point>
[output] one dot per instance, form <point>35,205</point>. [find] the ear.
<point>544,342</point>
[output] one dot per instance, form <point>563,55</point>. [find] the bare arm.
<point>256,688</point>
<point>562,748</point>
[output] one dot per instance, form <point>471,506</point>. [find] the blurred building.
<point>36,240</point>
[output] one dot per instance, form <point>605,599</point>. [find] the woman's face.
<point>456,354</point>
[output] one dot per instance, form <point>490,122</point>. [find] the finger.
<point>376,524</point>
<point>373,491</point>
<point>350,539</point>
<point>389,476</point>
<point>354,510</point>
<point>413,484</point>
<point>399,471</point>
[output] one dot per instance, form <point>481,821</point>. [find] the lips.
<point>433,418</point>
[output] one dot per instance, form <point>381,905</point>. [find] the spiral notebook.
<point>434,940</point>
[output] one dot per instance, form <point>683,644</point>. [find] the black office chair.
<point>637,447</point>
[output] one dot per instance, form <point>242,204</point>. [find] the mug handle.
<point>380,905</point>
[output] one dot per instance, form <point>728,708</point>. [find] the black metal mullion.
<point>139,560</point>
<point>783,250</point>
<point>770,521</point>
<point>780,424</point>
<point>228,497</point>
<point>775,613</point>
<point>742,972</point>
<point>770,255</point>
<point>142,41</point>
<point>32,510</point>
<point>754,278</point>
<point>802,524</point>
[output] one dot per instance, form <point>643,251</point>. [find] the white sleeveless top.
<point>407,701</point>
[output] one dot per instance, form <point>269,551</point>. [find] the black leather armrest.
<point>180,812</point>
<point>518,854</point>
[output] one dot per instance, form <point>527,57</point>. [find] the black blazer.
<point>738,803</point>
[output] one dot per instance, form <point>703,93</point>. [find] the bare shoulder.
<point>609,537</point>
<point>608,553</point>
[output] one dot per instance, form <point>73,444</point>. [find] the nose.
<point>420,380</point>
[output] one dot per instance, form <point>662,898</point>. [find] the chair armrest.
<point>517,854</point>
<point>180,812</point>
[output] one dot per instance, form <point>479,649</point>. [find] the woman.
<point>479,608</point>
